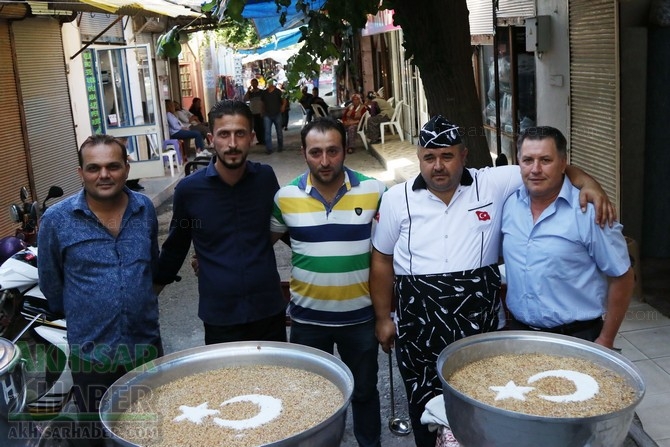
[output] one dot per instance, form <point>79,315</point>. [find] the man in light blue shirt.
<point>565,273</point>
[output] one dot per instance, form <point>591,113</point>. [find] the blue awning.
<point>265,16</point>
<point>280,41</point>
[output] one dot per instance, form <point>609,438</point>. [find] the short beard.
<point>229,165</point>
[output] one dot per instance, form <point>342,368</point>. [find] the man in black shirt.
<point>273,106</point>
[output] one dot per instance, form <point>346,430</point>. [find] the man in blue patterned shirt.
<point>98,254</point>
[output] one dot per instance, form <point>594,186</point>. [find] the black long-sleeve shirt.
<point>238,280</point>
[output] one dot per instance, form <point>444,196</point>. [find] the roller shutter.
<point>91,24</point>
<point>516,8</point>
<point>14,167</point>
<point>46,101</point>
<point>481,17</point>
<point>594,91</point>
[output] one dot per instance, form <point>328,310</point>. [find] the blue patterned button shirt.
<point>102,283</point>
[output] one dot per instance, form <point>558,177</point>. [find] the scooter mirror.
<point>16,213</point>
<point>23,193</point>
<point>54,191</point>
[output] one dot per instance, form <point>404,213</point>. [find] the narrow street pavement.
<point>180,325</point>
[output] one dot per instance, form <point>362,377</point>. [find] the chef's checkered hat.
<point>438,132</point>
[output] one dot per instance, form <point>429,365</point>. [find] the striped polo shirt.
<point>331,248</point>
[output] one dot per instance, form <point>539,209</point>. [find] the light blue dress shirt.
<point>557,267</point>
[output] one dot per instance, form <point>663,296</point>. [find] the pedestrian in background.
<point>273,106</point>
<point>225,211</point>
<point>286,106</point>
<point>253,97</point>
<point>435,256</point>
<point>581,282</point>
<point>98,256</point>
<point>328,212</point>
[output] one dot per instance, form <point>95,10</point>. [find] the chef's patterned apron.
<point>434,311</point>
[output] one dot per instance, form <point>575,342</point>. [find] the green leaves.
<point>234,9</point>
<point>335,22</point>
<point>167,45</point>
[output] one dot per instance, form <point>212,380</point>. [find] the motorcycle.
<point>45,382</point>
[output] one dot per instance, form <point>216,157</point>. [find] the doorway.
<point>128,105</point>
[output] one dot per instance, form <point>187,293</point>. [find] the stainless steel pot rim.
<point>541,336</point>
<point>240,350</point>
<point>10,356</point>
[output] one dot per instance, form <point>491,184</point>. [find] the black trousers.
<point>268,329</point>
<point>259,128</point>
<point>586,330</point>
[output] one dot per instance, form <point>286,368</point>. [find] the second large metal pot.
<point>477,424</point>
<point>131,386</point>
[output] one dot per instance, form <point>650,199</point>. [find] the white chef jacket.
<point>426,236</point>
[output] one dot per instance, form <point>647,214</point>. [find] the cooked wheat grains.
<point>475,380</point>
<point>307,399</point>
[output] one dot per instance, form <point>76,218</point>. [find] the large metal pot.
<point>131,386</point>
<point>477,424</point>
<point>12,379</point>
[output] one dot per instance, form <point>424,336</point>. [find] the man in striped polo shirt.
<point>328,212</point>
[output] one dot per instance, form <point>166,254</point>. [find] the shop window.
<point>516,96</point>
<point>185,81</point>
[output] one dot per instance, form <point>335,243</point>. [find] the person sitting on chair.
<point>191,121</point>
<point>306,102</point>
<point>351,117</point>
<point>179,131</point>
<point>196,109</point>
<point>316,99</point>
<point>380,112</point>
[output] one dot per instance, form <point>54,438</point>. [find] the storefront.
<point>505,71</point>
<point>121,96</point>
<point>40,146</point>
<point>14,174</point>
<point>385,70</point>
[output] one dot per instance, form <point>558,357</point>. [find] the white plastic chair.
<point>171,156</point>
<point>170,151</point>
<point>395,122</point>
<point>304,114</point>
<point>318,110</point>
<point>362,125</point>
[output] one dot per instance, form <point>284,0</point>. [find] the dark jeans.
<point>259,128</point>
<point>268,121</point>
<point>186,134</point>
<point>268,329</point>
<point>358,348</point>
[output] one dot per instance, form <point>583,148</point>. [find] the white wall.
<point>76,81</point>
<point>553,69</point>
